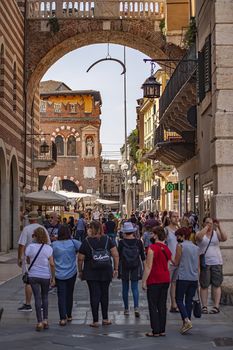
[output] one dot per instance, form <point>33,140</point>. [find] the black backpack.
<point>101,257</point>
<point>130,255</point>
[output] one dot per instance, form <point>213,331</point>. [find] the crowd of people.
<point>167,253</point>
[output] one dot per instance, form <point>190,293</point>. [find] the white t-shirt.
<point>41,267</point>
<point>26,235</point>
<point>171,240</point>
<point>96,215</point>
<point>213,255</point>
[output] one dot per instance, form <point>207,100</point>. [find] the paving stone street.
<point>17,329</point>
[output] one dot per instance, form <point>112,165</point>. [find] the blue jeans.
<point>125,293</point>
<point>65,290</point>
<point>185,291</point>
<point>40,290</point>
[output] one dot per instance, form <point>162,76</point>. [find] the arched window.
<point>60,145</point>
<point>2,73</point>
<point>71,146</point>
<point>14,86</point>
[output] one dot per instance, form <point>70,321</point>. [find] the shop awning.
<point>105,201</point>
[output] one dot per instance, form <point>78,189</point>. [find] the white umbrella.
<point>106,201</point>
<point>74,195</point>
<point>46,198</point>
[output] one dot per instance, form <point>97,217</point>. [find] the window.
<point>204,70</point>
<point>2,71</point>
<point>14,86</point>
<point>196,194</point>
<point>188,194</point>
<point>73,108</point>
<point>43,106</point>
<point>112,189</point>
<point>207,197</point>
<point>57,107</point>
<point>60,145</point>
<point>71,146</point>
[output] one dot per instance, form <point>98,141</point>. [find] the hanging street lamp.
<point>151,87</point>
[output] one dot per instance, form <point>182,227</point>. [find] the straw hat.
<point>128,228</point>
<point>33,215</point>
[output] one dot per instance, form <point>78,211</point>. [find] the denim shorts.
<point>211,275</point>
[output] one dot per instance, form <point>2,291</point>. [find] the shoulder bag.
<point>25,276</point>
<point>202,256</point>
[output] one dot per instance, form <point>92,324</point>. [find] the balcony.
<point>109,9</point>
<point>179,96</point>
<point>171,148</point>
<point>45,161</point>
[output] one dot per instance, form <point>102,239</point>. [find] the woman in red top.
<point>156,281</point>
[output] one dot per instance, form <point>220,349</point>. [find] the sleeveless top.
<point>159,271</point>
<point>188,267</point>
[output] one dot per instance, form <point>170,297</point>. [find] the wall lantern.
<point>151,87</point>
<point>44,148</point>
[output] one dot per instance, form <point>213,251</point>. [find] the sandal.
<point>69,319</point>
<point>174,310</point>
<point>45,325</point>
<point>94,325</point>
<point>214,310</point>
<point>151,335</point>
<point>204,310</point>
<point>106,323</point>
<point>162,334</point>
<point>62,322</point>
<point>39,327</point>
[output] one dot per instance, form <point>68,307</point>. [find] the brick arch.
<point>60,129</point>
<point>46,47</point>
<point>49,180</point>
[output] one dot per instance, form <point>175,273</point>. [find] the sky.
<point>106,77</point>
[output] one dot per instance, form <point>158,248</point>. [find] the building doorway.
<point>68,185</point>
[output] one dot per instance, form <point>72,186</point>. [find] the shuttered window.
<point>204,70</point>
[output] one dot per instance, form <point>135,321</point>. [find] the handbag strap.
<point>209,242</point>
<point>35,257</point>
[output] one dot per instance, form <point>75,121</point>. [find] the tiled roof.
<point>53,86</point>
<point>94,93</point>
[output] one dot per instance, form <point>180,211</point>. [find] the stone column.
<point>222,126</point>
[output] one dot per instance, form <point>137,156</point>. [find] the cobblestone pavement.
<point>17,329</point>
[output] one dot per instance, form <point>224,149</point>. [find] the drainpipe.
<point>25,100</point>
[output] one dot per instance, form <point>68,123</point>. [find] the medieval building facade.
<point>71,119</point>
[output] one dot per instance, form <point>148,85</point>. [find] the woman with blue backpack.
<point>131,255</point>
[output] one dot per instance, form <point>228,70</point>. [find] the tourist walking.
<point>156,280</point>
<point>81,228</point>
<point>95,266</point>
<point>111,228</point>
<point>24,240</point>
<point>208,239</point>
<point>187,260</point>
<point>64,253</point>
<point>172,242</point>
<point>41,273</point>
<point>131,254</point>
<point>53,226</point>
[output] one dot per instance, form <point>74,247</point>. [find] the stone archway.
<point>3,199</point>
<point>13,201</point>
<point>46,47</point>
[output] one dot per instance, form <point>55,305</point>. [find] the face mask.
<point>34,240</point>
<point>152,240</point>
<point>180,240</point>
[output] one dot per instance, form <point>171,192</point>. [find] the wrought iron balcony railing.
<point>182,74</point>
<point>96,9</point>
<point>45,160</point>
